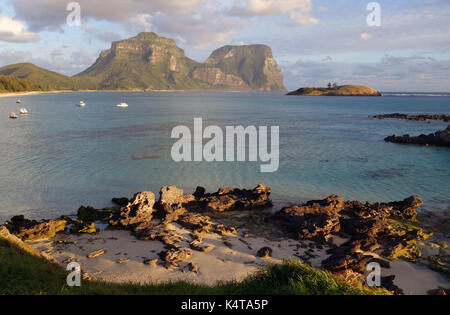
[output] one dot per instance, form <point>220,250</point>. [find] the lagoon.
<point>61,156</point>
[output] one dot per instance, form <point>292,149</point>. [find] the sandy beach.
<point>31,93</point>
<point>234,260</point>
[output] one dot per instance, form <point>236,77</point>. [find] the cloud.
<point>14,31</point>
<point>51,14</point>
<point>298,10</point>
<point>202,29</point>
<point>197,22</point>
<point>391,73</point>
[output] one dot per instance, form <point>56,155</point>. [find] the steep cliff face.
<point>147,62</point>
<point>253,63</point>
<point>151,62</point>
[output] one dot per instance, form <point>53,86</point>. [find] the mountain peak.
<point>151,62</point>
<point>255,64</point>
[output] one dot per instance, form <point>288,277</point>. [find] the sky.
<point>313,41</point>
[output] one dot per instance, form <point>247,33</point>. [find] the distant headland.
<point>336,90</point>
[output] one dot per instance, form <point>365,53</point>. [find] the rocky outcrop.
<point>31,230</point>
<point>14,240</point>
<point>315,220</point>
<point>227,199</point>
<point>368,227</point>
<point>139,210</point>
<point>173,203</point>
<point>90,214</point>
<point>421,117</point>
<point>439,138</point>
<point>173,256</point>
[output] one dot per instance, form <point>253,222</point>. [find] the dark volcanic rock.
<point>315,220</point>
<point>439,138</point>
<point>31,229</point>
<point>388,284</point>
<point>407,209</point>
<point>265,252</point>
<point>342,260</point>
<point>196,222</point>
<point>227,199</point>
<point>369,227</point>
<point>423,117</point>
<point>318,227</point>
<point>90,214</point>
<point>329,206</point>
<point>173,203</point>
<point>139,210</point>
<point>122,202</point>
<point>175,255</point>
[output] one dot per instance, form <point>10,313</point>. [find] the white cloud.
<point>51,14</point>
<point>299,10</point>
<point>202,29</point>
<point>14,31</point>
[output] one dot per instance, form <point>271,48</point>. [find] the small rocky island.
<point>335,90</point>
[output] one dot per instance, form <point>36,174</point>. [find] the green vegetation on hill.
<point>22,273</point>
<point>12,84</point>
<point>344,90</point>
<point>47,80</point>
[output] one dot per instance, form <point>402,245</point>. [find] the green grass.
<point>24,274</point>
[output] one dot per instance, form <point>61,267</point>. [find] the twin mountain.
<point>154,63</point>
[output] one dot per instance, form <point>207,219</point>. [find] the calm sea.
<point>61,156</point>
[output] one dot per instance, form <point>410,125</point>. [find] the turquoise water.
<point>61,156</point>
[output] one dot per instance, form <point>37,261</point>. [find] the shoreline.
<point>147,240</point>
<point>12,94</point>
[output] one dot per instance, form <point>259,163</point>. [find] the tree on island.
<point>329,85</point>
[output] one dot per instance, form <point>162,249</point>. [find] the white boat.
<point>18,101</point>
<point>82,104</point>
<point>13,115</point>
<point>23,111</point>
<point>122,105</point>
